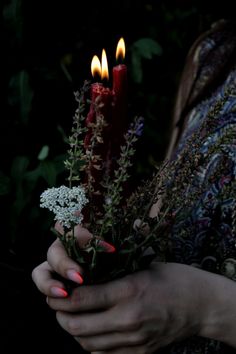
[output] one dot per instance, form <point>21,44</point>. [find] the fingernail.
<point>75,276</point>
<point>58,292</point>
<point>107,247</point>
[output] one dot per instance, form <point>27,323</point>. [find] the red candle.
<point>100,93</point>
<point>100,105</point>
<point>120,72</point>
<point>119,106</point>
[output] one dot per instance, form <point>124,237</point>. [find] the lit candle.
<point>100,105</point>
<point>120,72</point>
<point>119,107</point>
<point>98,90</point>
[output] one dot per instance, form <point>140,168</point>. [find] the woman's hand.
<point>143,311</point>
<point>136,314</point>
<point>46,274</point>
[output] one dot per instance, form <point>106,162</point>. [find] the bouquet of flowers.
<point>96,197</point>
<point>124,238</point>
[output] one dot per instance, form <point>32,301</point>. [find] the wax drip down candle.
<point>119,104</point>
<point>95,143</point>
<point>99,95</point>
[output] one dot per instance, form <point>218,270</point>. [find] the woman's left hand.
<point>139,313</point>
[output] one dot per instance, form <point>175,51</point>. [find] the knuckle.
<point>58,264</point>
<point>50,303</point>
<point>81,297</point>
<point>129,287</point>
<point>37,279</point>
<point>86,344</point>
<point>50,253</point>
<point>140,337</point>
<point>73,327</point>
<point>75,299</point>
<point>133,320</point>
<point>132,324</point>
<point>84,298</point>
<point>34,274</point>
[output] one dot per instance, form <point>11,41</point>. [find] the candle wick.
<point>120,60</point>
<point>105,82</point>
<point>97,77</point>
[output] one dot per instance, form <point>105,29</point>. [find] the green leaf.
<point>48,172</point>
<point>43,154</point>
<point>147,48</point>
<point>34,174</point>
<point>144,48</point>
<point>4,184</point>
<point>137,71</point>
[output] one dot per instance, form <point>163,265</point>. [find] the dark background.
<point>46,50</point>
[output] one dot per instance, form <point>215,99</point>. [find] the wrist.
<point>219,305</point>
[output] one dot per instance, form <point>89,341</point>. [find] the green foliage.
<point>43,154</point>
<point>143,48</point>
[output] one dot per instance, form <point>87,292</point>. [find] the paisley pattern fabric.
<point>207,238</point>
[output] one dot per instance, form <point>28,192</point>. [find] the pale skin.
<point>142,312</point>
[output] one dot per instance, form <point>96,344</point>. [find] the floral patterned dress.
<point>206,106</point>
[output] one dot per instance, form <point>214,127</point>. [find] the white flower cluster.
<point>66,203</point>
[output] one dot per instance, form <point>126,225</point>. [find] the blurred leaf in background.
<point>143,48</point>
<point>21,95</point>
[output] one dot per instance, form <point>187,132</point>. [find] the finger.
<point>82,235</point>
<point>96,297</point>
<point>82,325</point>
<point>43,279</point>
<point>62,264</point>
<point>127,350</point>
<point>98,323</point>
<point>112,341</point>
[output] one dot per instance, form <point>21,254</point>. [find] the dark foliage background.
<point>46,49</point>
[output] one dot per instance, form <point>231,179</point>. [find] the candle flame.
<point>120,49</point>
<point>105,73</point>
<point>96,66</point>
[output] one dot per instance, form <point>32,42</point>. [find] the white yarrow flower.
<point>66,203</point>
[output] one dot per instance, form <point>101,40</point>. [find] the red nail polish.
<point>58,292</point>
<point>108,248</point>
<point>75,276</point>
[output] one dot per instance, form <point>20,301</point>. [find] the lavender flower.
<point>136,127</point>
<point>66,203</point>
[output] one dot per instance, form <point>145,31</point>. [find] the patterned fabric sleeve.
<point>204,234</point>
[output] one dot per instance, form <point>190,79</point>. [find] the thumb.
<point>62,264</point>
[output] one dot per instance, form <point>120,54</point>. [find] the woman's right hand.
<point>45,275</point>
<point>59,263</point>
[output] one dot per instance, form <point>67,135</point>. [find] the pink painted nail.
<point>58,292</point>
<point>75,276</point>
<point>108,248</point>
